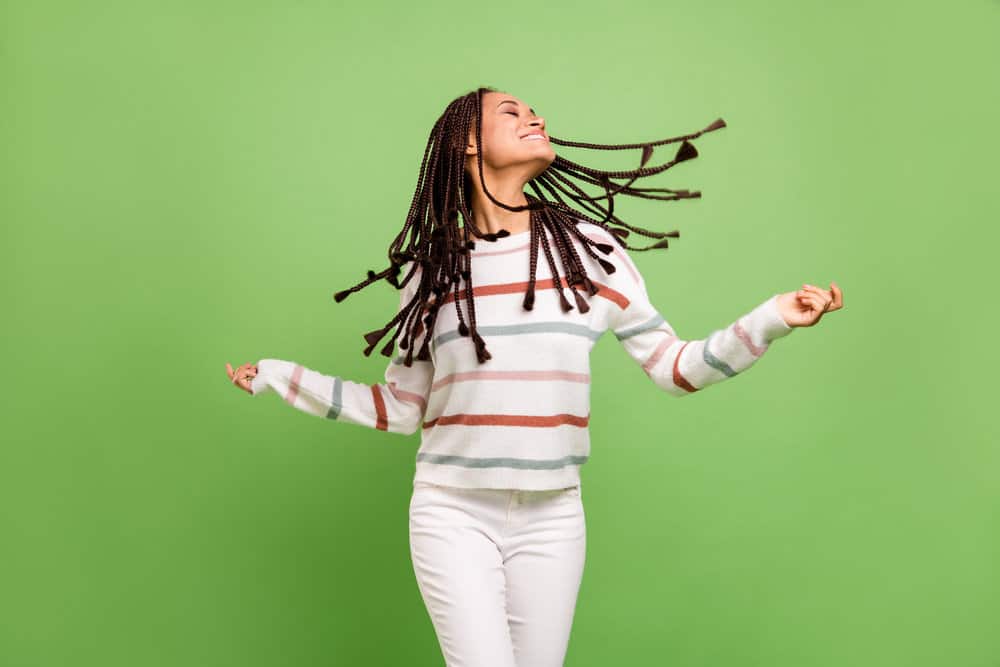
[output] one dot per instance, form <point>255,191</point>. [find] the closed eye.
<point>511,112</point>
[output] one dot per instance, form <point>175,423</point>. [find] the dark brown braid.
<point>434,242</point>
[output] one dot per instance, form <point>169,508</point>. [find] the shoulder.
<point>627,277</point>
<point>593,231</point>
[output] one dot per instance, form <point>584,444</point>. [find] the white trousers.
<point>499,571</point>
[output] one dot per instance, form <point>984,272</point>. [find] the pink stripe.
<point>407,396</point>
<point>293,385</point>
<point>745,337</point>
<point>617,251</point>
<point>511,375</point>
<point>658,353</point>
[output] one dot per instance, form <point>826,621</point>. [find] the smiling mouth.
<point>534,137</point>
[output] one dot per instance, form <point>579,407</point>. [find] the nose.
<point>538,122</point>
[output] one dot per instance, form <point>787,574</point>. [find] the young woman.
<point>497,531</point>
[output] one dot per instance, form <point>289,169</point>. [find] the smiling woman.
<point>497,531</point>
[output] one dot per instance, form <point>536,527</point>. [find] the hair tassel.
<point>687,151</point>
<point>529,299</point>
<point>566,305</point>
<point>373,337</point>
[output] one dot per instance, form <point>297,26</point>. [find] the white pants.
<point>499,571</point>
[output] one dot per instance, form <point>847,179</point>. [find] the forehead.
<point>501,101</point>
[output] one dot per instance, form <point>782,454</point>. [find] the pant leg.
<point>454,538</point>
<point>545,550</point>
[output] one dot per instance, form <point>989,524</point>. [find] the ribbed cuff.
<point>772,323</point>
<point>259,384</point>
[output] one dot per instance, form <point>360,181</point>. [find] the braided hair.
<point>433,242</point>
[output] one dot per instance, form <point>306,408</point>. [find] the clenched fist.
<point>805,307</point>
<point>242,376</point>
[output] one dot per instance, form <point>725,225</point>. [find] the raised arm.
<point>678,366</point>
<point>396,405</point>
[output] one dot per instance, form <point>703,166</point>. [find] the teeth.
<point>534,136</point>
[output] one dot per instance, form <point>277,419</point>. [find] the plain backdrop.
<point>188,183</point>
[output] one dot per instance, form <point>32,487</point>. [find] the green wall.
<point>187,184</point>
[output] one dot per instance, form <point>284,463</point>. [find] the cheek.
<point>500,141</point>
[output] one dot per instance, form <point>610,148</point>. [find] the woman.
<point>497,531</point>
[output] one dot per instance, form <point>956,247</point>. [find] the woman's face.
<point>514,138</point>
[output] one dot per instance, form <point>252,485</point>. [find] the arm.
<point>396,405</point>
<point>678,366</point>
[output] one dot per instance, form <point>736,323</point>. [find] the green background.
<point>186,184</point>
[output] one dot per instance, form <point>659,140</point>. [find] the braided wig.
<point>433,240</point>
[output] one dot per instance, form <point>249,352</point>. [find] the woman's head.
<point>439,231</point>
<point>515,140</point>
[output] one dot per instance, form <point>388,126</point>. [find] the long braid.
<point>434,241</point>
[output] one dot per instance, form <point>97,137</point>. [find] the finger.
<point>838,295</point>
<point>815,302</point>
<point>819,291</point>
<point>806,296</point>
<point>229,370</point>
<point>824,296</point>
<point>241,374</point>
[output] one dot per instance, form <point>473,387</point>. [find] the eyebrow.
<point>513,102</point>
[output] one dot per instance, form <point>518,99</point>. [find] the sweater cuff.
<point>259,384</point>
<point>773,325</point>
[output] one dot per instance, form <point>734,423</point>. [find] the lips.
<point>534,136</point>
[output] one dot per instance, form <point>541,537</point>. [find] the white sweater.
<point>520,420</point>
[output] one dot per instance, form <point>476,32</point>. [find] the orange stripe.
<point>548,283</point>
<point>679,379</point>
<point>509,420</point>
<point>381,421</point>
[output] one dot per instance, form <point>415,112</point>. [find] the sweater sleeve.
<point>397,405</point>
<point>679,366</point>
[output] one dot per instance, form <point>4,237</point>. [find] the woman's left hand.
<point>804,307</point>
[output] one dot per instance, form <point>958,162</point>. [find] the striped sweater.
<point>520,420</point>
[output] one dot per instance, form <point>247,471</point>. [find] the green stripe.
<point>713,360</point>
<point>529,328</point>
<point>651,323</point>
<point>501,462</point>
<point>336,403</point>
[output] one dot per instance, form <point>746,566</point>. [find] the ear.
<point>470,147</point>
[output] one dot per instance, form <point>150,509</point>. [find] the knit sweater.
<point>520,420</point>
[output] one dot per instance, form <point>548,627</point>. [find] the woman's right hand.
<point>242,376</point>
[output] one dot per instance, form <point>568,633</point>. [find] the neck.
<point>490,218</point>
